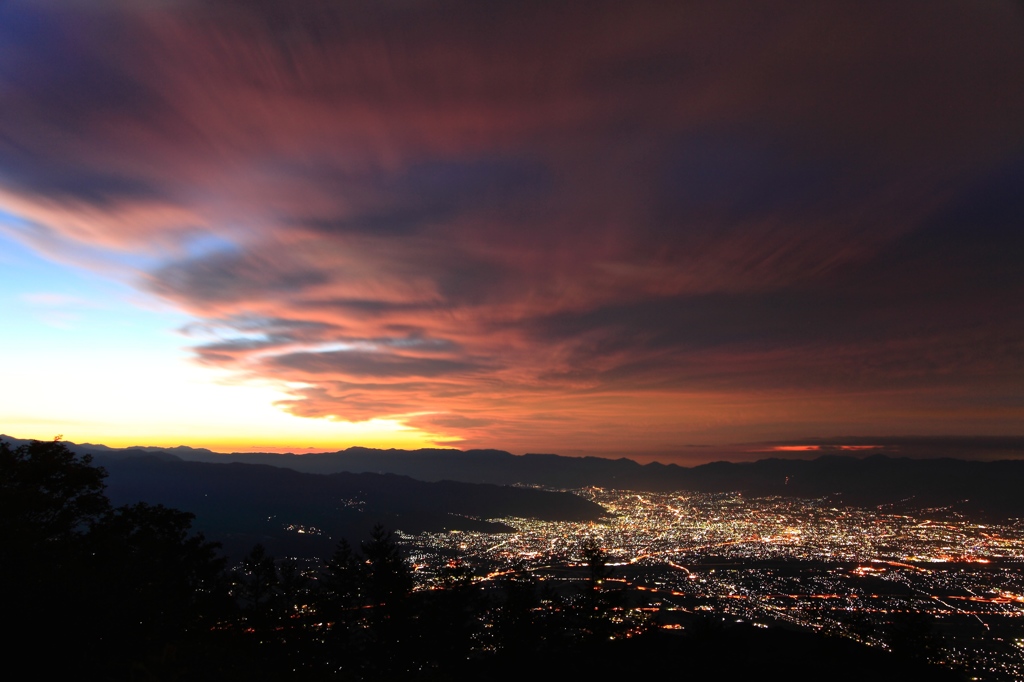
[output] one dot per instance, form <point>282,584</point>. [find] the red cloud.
<point>592,224</point>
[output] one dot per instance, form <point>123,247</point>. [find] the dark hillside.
<point>242,504</point>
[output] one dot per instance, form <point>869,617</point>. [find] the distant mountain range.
<point>343,490</point>
<point>991,488</point>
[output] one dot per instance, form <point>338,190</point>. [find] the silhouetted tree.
<point>47,494</point>
<point>153,585</point>
<point>598,571</point>
<point>343,579</point>
<point>388,628</point>
<point>599,601</point>
<point>256,582</point>
<point>597,564</point>
<point>153,564</point>
<point>388,576</point>
<point>48,498</point>
<point>108,590</point>
<point>292,583</point>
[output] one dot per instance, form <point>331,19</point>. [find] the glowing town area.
<point>929,581</point>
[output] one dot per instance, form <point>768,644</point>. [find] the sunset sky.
<point>587,228</point>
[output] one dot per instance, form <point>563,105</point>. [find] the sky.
<point>641,229</point>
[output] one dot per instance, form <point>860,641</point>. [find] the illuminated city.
<point>953,586</point>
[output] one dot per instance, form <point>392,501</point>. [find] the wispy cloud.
<point>515,222</point>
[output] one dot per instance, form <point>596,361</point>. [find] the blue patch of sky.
<point>48,306</point>
<point>202,244</point>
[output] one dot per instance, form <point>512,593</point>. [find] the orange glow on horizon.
<point>818,448</point>
<point>330,437</point>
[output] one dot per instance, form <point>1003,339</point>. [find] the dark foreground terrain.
<point>132,593</point>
